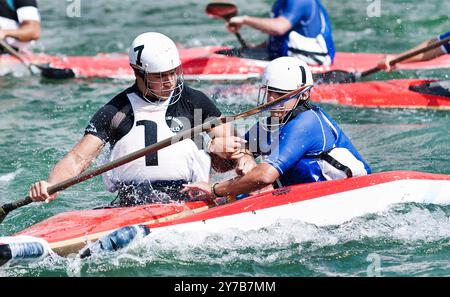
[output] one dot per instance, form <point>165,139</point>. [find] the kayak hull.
<point>383,94</point>
<point>321,203</point>
<point>201,63</point>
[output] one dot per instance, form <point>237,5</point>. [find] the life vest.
<point>182,161</point>
<point>337,162</point>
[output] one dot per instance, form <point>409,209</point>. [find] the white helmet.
<point>283,75</point>
<point>287,74</point>
<point>155,53</point>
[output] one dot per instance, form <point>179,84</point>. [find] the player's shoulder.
<point>121,99</point>
<point>193,95</point>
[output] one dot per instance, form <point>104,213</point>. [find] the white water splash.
<point>14,69</point>
<point>405,225</point>
<point>8,177</point>
<point>242,94</point>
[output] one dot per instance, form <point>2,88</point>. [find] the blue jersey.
<point>445,47</point>
<point>295,151</point>
<point>308,18</point>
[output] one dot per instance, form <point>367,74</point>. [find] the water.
<point>40,120</point>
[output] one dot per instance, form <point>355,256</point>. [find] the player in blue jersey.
<point>20,23</point>
<point>429,55</point>
<point>303,143</point>
<point>299,28</point>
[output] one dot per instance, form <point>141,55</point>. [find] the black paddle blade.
<point>222,10</point>
<point>5,254</point>
<point>3,214</point>
<point>6,208</point>
<point>56,73</point>
<point>334,77</point>
<point>437,88</point>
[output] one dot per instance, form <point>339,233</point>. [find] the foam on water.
<point>8,177</point>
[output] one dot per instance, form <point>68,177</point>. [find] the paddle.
<point>341,76</point>
<point>45,70</point>
<point>6,208</point>
<point>225,11</point>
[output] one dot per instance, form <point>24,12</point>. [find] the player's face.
<point>162,84</point>
<point>280,110</point>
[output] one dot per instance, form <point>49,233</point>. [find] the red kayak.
<point>320,203</point>
<point>203,63</point>
<point>399,93</point>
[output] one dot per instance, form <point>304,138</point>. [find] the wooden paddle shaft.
<point>407,56</point>
<point>15,54</point>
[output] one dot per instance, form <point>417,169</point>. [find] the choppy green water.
<point>40,120</point>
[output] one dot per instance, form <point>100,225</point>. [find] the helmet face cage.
<point>161,80</point>
<point>269,122</point>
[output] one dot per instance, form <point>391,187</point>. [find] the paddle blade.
<point>6,208</point>
<point>3,214</point>
<point>116,240</point>
<point>437,88</point>
<point>56,73</point>
<point>334,77</point>
<point>222,10</point>
<point>21,248</point>
<point>5,254</point>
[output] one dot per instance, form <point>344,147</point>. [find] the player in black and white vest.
<point>20,22</point>
<point>157,106</point>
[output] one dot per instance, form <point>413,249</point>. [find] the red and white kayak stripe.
<point>325,203</point>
